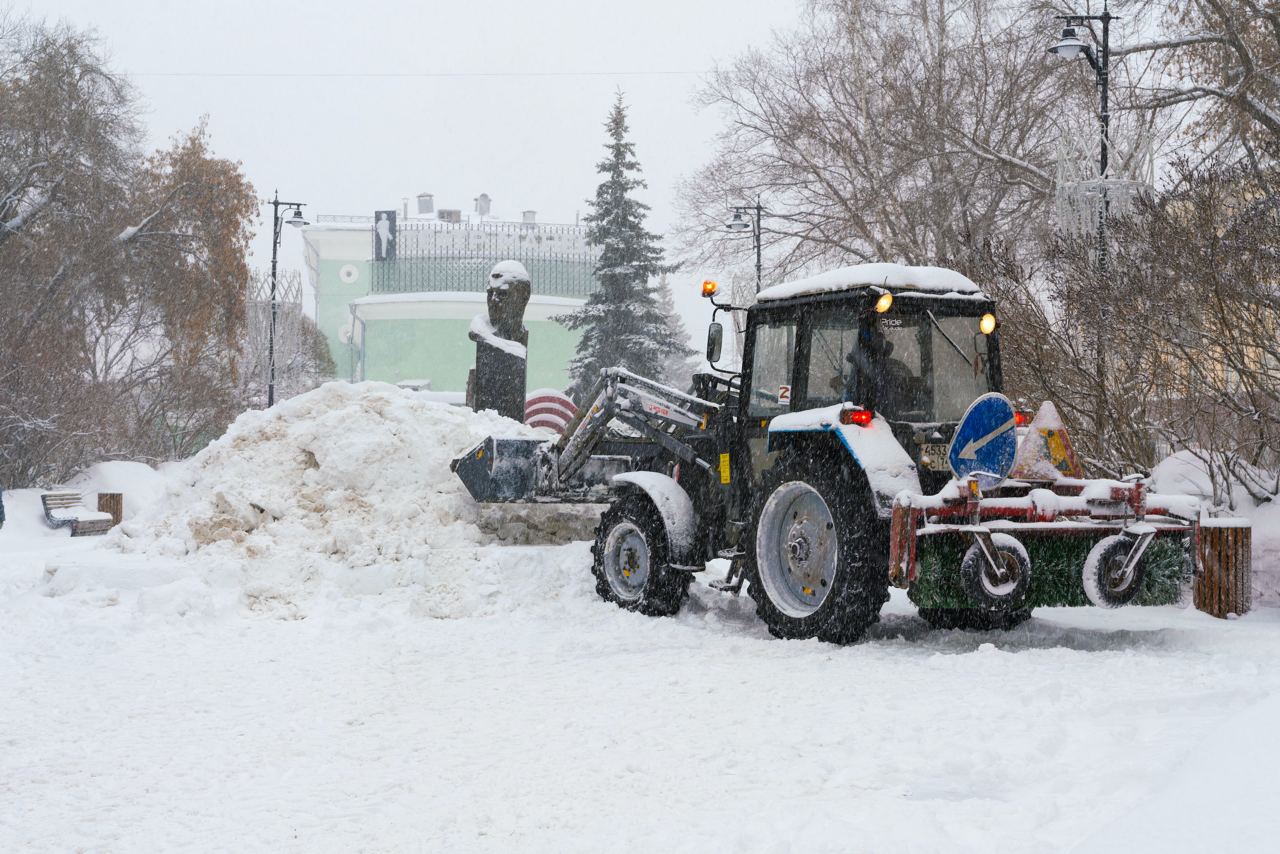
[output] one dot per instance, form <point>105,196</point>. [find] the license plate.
<point>934,457</point>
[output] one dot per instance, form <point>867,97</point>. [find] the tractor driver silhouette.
<point>892,388</point>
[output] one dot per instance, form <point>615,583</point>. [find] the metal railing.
<point>439,256</point>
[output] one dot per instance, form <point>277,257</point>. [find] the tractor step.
<point>724,585</point>
<point>731,583</point>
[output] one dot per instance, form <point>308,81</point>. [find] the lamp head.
<point>296,219</point>
<point>1070,46</point>
<point>738,223</point>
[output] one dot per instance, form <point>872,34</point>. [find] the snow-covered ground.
<point>220,678</point>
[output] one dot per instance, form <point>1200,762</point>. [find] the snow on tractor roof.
<point>933,280</point>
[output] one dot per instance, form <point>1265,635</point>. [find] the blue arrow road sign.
<point>986,441</point>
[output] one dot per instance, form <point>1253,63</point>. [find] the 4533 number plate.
<point>934,457</point>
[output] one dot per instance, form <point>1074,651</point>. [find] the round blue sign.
<point>986,441</point>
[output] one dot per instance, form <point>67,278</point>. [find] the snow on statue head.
<point>507,296</point>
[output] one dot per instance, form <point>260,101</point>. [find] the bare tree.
<point>1192,331</point>
<point>124,274</point>
<point>1223,55</point>
<point>907,130</point>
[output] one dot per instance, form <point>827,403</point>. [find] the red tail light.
<point>1021,419</point>
<point>860,417</point>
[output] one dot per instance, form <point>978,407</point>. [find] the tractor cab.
<point>914,345</point>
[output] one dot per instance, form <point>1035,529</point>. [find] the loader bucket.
<point>1057,561</point>
<point>498,470</point>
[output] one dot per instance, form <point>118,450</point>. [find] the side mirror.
<point>715,342</point>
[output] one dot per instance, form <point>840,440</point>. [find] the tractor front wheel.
<point>631,560</point>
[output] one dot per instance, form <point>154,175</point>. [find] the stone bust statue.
<point>507,296</point>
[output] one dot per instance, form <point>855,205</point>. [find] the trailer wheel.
<point>1003,588</point>
<point>631,564</point>
<point>818,562</point>
<point>1105,582</point>
<point>974,619</point>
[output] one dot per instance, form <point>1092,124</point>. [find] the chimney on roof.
<point>404,203</point>
<point>426,203</point>
<point>483,204</point>
<point>529,217</point>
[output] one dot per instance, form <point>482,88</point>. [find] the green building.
<point>395,294</point>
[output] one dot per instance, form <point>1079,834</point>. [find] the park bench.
<point>65,508</point>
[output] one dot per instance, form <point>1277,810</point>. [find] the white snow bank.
<point>933,279</point>
<point>1185,473</point>
<point>24,520</point>
<point>139,483</point>
<point>348,484</point>
<point>1266,555</point>
<point>1181,473</point>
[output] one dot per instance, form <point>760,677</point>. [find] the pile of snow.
<point>347,484</point>
<point>140,484</point>
<point>1185,473</point>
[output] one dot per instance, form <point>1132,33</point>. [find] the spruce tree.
<point>623,323</point>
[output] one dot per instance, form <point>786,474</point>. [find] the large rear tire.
<point>631,564</point>
<point>818,555</point>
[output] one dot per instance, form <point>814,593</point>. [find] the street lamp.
<point>296,220</point>
<point>747,218</point>
<point>1072,46</point>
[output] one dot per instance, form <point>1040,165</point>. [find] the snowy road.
<point>144,710</point>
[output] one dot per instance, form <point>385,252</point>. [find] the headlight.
<point>884,303</point>
<point>987,324</point>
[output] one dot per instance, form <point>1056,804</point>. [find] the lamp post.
<point>747,218</point>
<point>277,224</point>
<point>1072,46</point>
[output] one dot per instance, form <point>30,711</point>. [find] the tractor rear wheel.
<point>817,554</point>
<point>631,560</point>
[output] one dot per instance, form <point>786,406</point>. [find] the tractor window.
<point>959,366</point>
<point>772,369</point>
<point>928,367</point>
<point>901,388</point>
<point>832,361</point>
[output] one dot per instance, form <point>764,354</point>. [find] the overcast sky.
<point>281,85</point>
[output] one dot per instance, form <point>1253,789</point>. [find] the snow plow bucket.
<point>499,470</point>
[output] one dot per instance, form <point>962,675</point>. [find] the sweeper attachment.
<point>864,444</point>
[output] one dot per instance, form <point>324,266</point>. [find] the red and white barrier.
<point>547,407</point>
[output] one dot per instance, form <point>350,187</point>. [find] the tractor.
<point>864,444</point>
